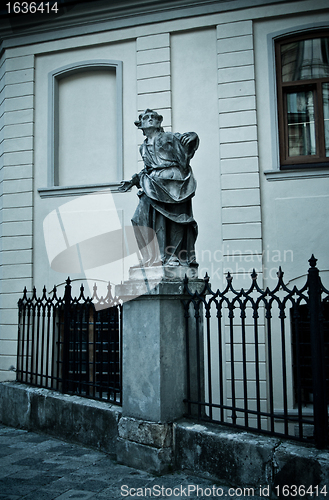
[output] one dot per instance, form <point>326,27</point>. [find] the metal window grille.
<point>71,344</point>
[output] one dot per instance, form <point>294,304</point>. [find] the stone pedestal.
<point>154,365</point>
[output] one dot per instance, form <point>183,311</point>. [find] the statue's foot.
<point>137,266</point>
<point>146,263</point>
<point>172,262</point>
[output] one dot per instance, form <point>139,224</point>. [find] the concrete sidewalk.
<point>39,467</point>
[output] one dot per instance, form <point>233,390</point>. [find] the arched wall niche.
<point>85,139</point>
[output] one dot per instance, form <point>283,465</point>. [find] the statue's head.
<point>149,119</point>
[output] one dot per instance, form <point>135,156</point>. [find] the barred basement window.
<point>303,100</point>
<point>301,351</point>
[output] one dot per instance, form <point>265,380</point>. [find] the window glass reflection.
<point>325,93</point>
<point>301,127</point>
<point>305,59</point>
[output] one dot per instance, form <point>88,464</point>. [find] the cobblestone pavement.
<point>39,467</point>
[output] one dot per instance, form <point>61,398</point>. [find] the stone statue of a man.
<point>167,186</point>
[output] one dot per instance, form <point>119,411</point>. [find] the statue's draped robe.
<point>167,186</point>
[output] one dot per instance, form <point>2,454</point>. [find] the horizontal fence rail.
<point>71,344</point>
<point>262,357</point>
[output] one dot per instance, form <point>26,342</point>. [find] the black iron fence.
<point>71,344</point>
<point>262,357</point>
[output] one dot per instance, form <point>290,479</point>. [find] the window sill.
<point>56,191</point>
<point>291,174</point>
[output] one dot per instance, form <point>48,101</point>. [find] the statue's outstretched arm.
<point>126,185</point>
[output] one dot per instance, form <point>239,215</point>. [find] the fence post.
<point>66,335</point>
<point>317,353</point>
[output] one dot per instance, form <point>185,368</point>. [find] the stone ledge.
<point>208,450</point>
<point>246,459</point>
<point>151,289</point>
<point>91,423</point>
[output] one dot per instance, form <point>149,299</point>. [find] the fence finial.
<point>280,273</point>
<point>313,261</point>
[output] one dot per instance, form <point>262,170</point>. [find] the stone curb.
<point>243,458</point>
<point>212,451</point>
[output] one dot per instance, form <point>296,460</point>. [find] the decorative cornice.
<point>90,17</point>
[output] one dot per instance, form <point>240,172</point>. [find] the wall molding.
<point>56,191</point>
<point>54,78</point>
<point>109,18</point>
<point>287,175</point>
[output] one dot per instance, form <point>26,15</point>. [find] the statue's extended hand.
<point>125,186</point>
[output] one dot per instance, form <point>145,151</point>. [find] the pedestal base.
<point>163,273</point>
<point>154,370</point>
<point>154,349</point>
<point>145,445</point>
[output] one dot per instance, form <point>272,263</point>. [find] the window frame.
<point>54,77</point>
<point>283,88</point>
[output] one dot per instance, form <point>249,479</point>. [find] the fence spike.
<point>313,261</point>
<point>109,296</point>
<point>280,273</point>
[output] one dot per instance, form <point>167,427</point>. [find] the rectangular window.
<point>303,100</point>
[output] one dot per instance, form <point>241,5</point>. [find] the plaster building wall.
<point>211,72</point>
<point>16,205</point>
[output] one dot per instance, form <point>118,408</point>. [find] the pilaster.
<point>16,197</point>
<point>241,212</point>
<point>153,75</point>
<point>240,196</point>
